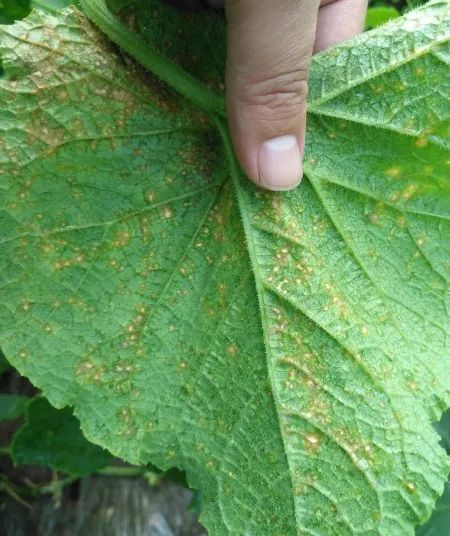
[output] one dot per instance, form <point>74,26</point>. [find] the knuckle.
<point>283,94</point>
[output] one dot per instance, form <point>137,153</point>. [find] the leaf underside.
<point>290,351</point>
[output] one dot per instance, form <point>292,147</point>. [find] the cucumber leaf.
<point>290,350</point>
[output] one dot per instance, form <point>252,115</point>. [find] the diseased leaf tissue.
<point>290,351</point>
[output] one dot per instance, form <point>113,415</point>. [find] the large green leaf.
<point>290,351</point>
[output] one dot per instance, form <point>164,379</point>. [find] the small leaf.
<point>443,429</point>
<point>376,16</point>
<point>439,523</point>
<point>12,406</point>
<point>53,438</point>
<point>52,6</point>
<point>11,10</point>
<point>4,364</point>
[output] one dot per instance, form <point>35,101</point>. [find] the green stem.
<point>55,486</point>
<point>9,490</point>
<point>175,76</point>
<point>121,471</point>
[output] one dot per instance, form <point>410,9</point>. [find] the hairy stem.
<point>175,76</point>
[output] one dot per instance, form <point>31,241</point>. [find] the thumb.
<point>270,43</point>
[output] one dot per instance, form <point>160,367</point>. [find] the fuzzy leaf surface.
<point>290,351</point>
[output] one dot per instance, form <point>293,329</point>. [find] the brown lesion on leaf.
<point>394,172</point>
<point>409,192</point>
<point>121,239</point>
<point>89,372</point>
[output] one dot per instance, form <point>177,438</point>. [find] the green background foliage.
<point>11,406</point>
<point>11,10</point>
<point>145,315</point>
<point>376,16</point>
<point>439,523</point>
<point>52,438</point>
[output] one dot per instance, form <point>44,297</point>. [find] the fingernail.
<point>280,163</point>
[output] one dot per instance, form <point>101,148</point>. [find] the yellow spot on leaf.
<point>421,142</point>
<point>312,441</point>
<point>409,191</point>
<point>412,385</point>
<point>393,172</point>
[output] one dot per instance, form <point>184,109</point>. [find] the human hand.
<point>270,43</point>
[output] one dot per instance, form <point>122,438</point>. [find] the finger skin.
<point>270,43</point>
<point>338,21</point>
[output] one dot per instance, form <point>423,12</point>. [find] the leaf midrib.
<point>234,172</point>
